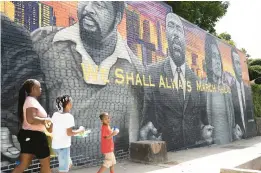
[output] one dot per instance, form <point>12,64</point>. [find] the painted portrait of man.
<point>137,61</point>
<point>175,115</point>
<point>242,99</point>
<point>219,103</point>
<point>81,61</point>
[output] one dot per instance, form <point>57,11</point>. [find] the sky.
<point>243,22</point>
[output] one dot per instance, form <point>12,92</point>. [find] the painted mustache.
<point>89,20</point>
<point>176,44</point>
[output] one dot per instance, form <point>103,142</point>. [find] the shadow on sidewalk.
<point>194,153</point>
<point>179,158</point>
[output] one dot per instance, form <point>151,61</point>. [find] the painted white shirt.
<point>72,33</point>
<point>182,75</point>
<point>241,93</point>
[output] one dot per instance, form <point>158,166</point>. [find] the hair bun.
<point>58,99</point>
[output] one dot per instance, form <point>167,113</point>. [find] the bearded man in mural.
<point>18,62</point>
<point>219,102</point>
<point>84,61</point>
<point>176,114</point>
<point>242,99</point>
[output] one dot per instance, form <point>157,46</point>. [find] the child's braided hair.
<point>62,101</point>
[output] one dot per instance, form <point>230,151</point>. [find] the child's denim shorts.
<point>64,159</point>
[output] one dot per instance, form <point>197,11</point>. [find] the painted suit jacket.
<point>180,123</point>
<point>250,124</point>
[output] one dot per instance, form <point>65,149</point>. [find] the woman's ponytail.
<point>21,100</point>
<point>23,92</point>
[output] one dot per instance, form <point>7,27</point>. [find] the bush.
<point>254,71</point>
<point>256,92</point>
<point>253,62</point>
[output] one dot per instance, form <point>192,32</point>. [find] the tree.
<point>245,52</point>
<point>254,69</point>
<point>256,93</point>
<point>253,62</point>
<point>227,38</point>
<point>205,14</point>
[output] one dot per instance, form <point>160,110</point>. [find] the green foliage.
<point>245,52</point>
<point>227,38</point>
<point>231,42</point>
<point>254,71</point>
<point>254,68</point>
<point>254,62</point>
<point>205,14</point>
<point>256,92</point>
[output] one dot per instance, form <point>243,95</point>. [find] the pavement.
<point>197,160</point>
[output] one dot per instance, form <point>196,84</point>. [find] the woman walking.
<point>31,136</point>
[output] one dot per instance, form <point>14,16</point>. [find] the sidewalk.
<point>197,160</point>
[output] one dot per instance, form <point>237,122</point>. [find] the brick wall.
<point>137,47</point>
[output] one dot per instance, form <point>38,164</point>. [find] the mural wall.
<point>159,76</point>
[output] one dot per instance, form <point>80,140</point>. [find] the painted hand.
<point>237,133</point>
<point>206,133</point>
<point>10,148</point>
<point>149,132</point>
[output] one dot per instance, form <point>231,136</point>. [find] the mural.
<point>159,76</point>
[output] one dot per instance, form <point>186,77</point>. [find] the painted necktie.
<point>180,85</point>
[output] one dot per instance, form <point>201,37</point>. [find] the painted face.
<point>216,61</point>
<point>237,65</point>
<point>96,18</point>
<point>176,38</point>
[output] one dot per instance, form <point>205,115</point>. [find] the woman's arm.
<point>32,118</point>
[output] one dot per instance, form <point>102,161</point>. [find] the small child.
<point>107,145</point>
<point>63,122</point>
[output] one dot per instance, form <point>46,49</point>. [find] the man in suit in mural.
<point>219,102</point>
<point>242,99</point>
<point>18,62</point>
<point>175,114</point>
<point>82,61</point>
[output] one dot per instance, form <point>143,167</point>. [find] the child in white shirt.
<point>63,122</point>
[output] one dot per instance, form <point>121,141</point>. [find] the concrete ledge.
<point>149,152</point>
<point>252,166</point>
<point>238,170</point>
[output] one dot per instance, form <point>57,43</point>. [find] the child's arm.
<point>71,132</point>
<point>114,133</point>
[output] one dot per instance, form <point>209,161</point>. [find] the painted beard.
<point>176,51</point>
<point>217,72</point>
<point>90,28</point>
